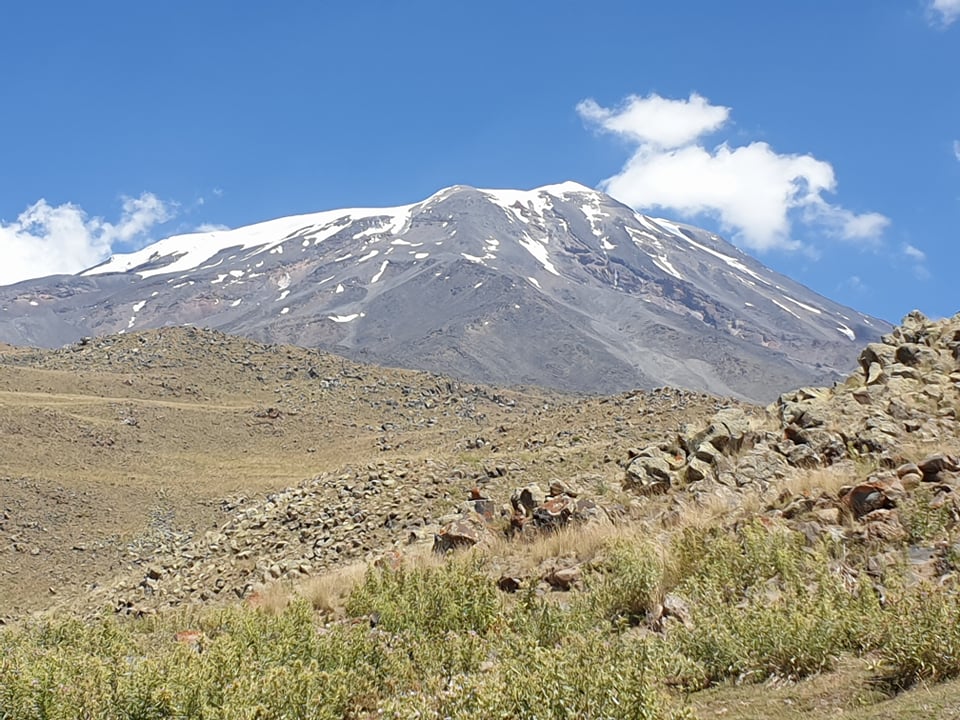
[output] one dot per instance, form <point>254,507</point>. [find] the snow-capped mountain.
<point>559,286</point>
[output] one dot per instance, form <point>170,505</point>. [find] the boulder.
<point>879,354</point>
<point>563,578</point>
<point>934,466</point>
<point>559,487</point>
<point>525,499</point>
<point>728,432</point>
<point>554,513</point>
<point>465,532</point>
<point>875,494</point>
<point>649,472</point>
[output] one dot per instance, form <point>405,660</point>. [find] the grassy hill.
<point>195,525</point>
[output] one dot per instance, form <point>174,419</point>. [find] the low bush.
<point>443,642</point>
<point>457,596</point>
<point>628,583</point>
<point>766,606</point>
<point>922,636</point>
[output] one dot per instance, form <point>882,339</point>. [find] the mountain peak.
<point>558,285</point>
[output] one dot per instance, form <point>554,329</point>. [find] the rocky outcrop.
<point>891,428</point>
<point>906,392</point>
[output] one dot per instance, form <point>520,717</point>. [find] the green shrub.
<point>253,665</point>
<point>454,597</point>
<point>595,674</point>
<point>628,583</point>
<point>925,519</point>
<point>922,636</point>
<point>765,606</point>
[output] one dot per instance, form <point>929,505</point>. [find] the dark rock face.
<point>561,287</point>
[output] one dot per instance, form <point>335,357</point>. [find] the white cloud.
<point>210,227</point>
<point>47,239</point>
<point>658,121</point>
<point>755,192</point>
<point>914,253</point>
<point>918,258</point>
<point>945,12</point>
<point>956,149</point>
<point>855,283</point>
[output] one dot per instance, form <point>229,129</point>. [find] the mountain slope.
<point>560,286</point>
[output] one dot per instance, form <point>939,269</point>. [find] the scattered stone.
<point>558,487</point>
<point>509,583</point>
<point>866,497</point>
<point>563,578</point>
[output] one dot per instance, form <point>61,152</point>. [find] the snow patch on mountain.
<point>190,251</point>
<point>345,318</point>
<point>383,267</point>
<point>808,308</point>
<point>663,263</point>
<point>539,251</point>
<point>847,331</point>
<point>784,308</point>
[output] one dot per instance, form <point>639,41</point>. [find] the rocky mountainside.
<point>403,460</point>
<point>560,286</point>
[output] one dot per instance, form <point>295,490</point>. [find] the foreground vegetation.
<point>439,640</point>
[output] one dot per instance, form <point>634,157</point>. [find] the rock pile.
<point>531,512</point>
<point>328,521</point>
<point>906,392</point>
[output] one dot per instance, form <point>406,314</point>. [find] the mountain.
<point>560,286</point>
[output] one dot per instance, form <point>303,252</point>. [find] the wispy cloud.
<point>914,253</point>
<point>211,227</point>
<point>956,149</point>
<point>944,12</point>
<point>756,193</point>
<point>854,283</point>
<point>52,239</point>
<point>918,259</point>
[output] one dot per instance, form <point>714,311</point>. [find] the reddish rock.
<point>554,513</point>
<point>872,495</point>
<point>933,466</point>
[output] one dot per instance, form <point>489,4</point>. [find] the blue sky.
<point>823,137</point>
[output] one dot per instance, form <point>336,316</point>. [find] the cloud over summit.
<point>756,193</point>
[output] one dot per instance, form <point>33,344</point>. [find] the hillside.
<point>689,545</point>
<point>147,439</point>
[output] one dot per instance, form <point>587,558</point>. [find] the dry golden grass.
<point>820,481</point>
<point>582,543</point>
<point>327,593</point>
